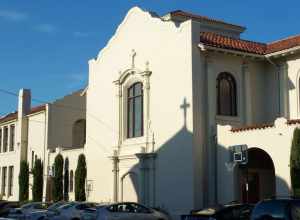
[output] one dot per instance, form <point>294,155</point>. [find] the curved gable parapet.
<point>135,11</point>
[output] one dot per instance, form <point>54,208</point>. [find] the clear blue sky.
<point>45,45</point>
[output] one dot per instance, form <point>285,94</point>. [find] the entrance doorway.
<point>257,178</point>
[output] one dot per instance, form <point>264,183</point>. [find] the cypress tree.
<point>80,178</point>
<point>57,192</point>
<point>37,188</point>
<point>295,163</point>
<point>24,181</point>
<point>66,180</point>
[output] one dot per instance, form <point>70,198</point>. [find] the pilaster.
<point>119,113</point>
<point>283,83</point>
<point>211,156</point>
<point>147,178</point>
<point>146,75</point>
<point>246,97</point>
<point>1,139</point>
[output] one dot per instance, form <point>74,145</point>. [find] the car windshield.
<point>29,205</point>
<point>55,206</point>
<point>66,206</point>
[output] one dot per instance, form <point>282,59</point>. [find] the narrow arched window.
<point>226,95</point>
<point>79,133</point>
<point>71,181</point>
<point>135,110</point>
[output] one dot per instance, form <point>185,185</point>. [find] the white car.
<point>128,211</point>
<point>72,211</point>
<point>42,214</point>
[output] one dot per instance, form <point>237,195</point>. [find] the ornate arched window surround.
<point>126,79</point>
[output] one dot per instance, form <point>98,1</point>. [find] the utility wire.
<point>107,151</point>
<point>63,106</point>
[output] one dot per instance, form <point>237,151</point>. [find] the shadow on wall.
<point>173,173</point>
<point>259,174</point>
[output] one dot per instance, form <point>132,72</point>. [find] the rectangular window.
<point>12,138</point>
<point>5,139</point>
<point>10,180</point>
<point>0,140</point>
<point>4,179</point>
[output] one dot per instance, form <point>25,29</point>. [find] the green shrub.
<point>295,163</point>
<point>24,181</point>
<point>66,180</point>
<point>57,192</point>
<point>37,188</point>
<point>80,178</point>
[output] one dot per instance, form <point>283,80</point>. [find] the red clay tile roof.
<point>14,115</point>
<point>263,126</point>
<point>201,18</point>
<point>283,44</point>
<point>293,121</point>
<point>252,127</point>
<point>224,42</point>
<point>9,117</point>
<point>37,109</point>
<point>216,40</point>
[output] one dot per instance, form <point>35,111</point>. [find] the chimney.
<point>24,106</point>
<point>24,102</point>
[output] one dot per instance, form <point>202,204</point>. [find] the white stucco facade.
<point>178,153</point>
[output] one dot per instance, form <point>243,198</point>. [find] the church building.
<point>181,113</point>
<point>176,94</point>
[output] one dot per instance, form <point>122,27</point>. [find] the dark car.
<point>279,209</point>
<point>5,206</point>
<point>222,212</point>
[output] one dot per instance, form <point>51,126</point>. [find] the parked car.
<point>25,210</point>
<point>42,214</point>
<point>232,211</point>
<point>280,209</point>
<point>72,211</point>
<point>127,211</point>
<point>6,206</point>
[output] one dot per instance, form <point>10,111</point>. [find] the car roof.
<point>215,209</point>
<point>281,199</point>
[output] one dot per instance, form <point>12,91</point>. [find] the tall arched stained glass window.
<point>226,95</point>
<point>135,117</point>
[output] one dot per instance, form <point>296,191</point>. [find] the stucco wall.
<point>292,86</point>
<point>37,136</point>
<point>10,158</point>
<point>63,113</point>
<point>166,46</point>
<point>276,141</point>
